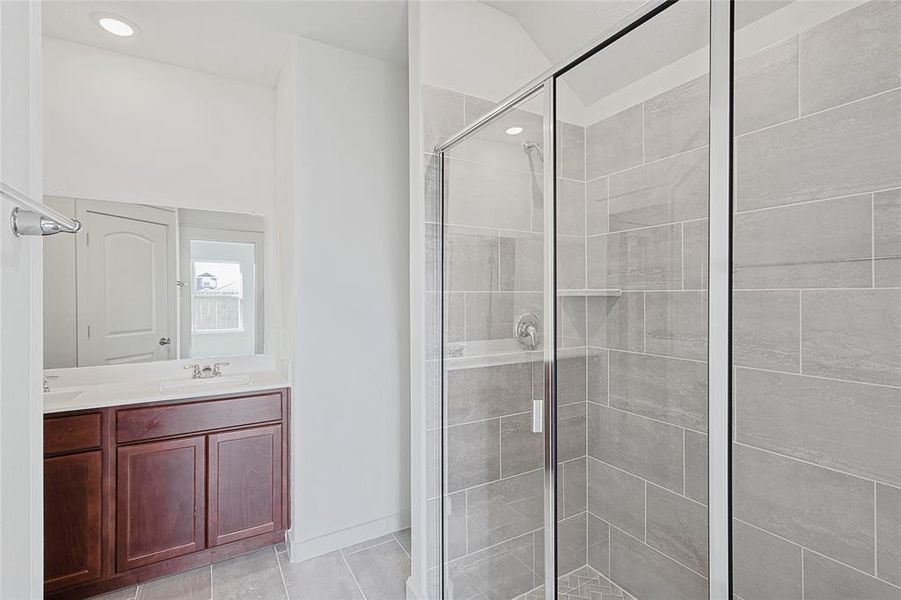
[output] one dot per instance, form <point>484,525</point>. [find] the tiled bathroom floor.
<point>373,570</point>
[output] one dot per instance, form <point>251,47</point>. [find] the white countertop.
<point>121,394</point>
<point>120,385</point>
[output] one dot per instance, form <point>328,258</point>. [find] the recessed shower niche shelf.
<point>589,293</point>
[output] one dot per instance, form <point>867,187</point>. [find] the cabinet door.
<point>245,484</point>
<point>159,501</point>
<point>73,489</point>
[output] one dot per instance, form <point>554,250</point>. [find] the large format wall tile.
<point>571,543</point>
<point>570,208</point>
<point>667,389</point>
<point>677,120</point>
<point>574,487</point>
<point>490,315</point>
<point>598,554</point>
<point>851,427</point>
<point>677,527</point>
<point>649,574</point>
<point>570,262</point>
<point>766,87</point>
<point>596,206</point>
<point>696,466</point>
<point>887,238</point>
<point>766,329</point>
<point>502,571</point>
<point>821,509</point>
<point>642,259</point>
<point>570,379</point>
<point>570,151</point>
<point>614,144</point>
<point>847,150</point>
<point>666,191</point>
<point>521,449</point>
<point>571,438</point>
<point>504,509</point>
<point>695,249</point>
<point>853,55</point>
<point>571,314</point>
<point>765,566</point>
<point>826,579</point>
<point>597,376</point>
<point>888,533</point>
<point>677,324</point>
<point>852,335</point>
<point>521,261</point>
<point>470,257</point>
<point>650,449</point>
<point>485,392</point>
<point>617,321</point>
<point>487,196</point>
<point>821,244</point>
<point>473,454</point>
<point>616,496</point>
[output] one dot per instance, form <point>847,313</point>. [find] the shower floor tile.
<point>582,584</point>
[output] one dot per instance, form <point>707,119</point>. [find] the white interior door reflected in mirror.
<point>126,266</point>
<point>223,306</point>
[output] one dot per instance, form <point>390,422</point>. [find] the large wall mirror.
<point>146,283</point>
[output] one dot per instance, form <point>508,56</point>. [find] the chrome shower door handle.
<point>537,416</point>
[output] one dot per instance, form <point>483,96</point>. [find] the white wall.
<point>349,221</point>
<point>122,128</point>
<point>21,431</point>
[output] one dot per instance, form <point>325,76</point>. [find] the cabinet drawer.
<point>72,433</point>
<point>136,424</point>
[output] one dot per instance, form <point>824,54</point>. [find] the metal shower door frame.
<point>719,332</point>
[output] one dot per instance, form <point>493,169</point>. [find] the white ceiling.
<point>244,40</point>
<point>561,27</point>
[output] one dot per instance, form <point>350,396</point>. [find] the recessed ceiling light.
<point>116,25</point>
<point>514,130</point>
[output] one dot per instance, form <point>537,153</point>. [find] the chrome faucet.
<point>47,382</point>
<point>206,371</point>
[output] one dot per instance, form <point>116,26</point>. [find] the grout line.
<point>866,478</point>
<point>641,416</point>
<point>873,236</point>
<point>803,597</point>
<point>658,551</point>
<point>396,539</point>
<point>880,385</point>
<point>352,575</point>
<point>807,549</point>
<point>800,332</point>
<point>630,474</point>
<point>859,194</point>
<point>875,532</point>
<point>683,463</point>
<point>280,570</point>
<point>645,511</point>
<point>818,112</point>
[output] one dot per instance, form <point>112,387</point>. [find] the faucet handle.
<point>217,367</point>
<point>195,368</point>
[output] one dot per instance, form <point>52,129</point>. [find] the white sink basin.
<point>203,384</point>
<point>61,397</point>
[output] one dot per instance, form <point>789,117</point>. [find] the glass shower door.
<point>632,224</point>
<point>492,245</point>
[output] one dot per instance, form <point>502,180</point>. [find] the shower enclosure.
<point>665,283</point>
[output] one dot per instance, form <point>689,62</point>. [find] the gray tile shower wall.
<point>817,312</point>
<point>816,324</point>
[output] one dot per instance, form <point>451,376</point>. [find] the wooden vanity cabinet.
<point>137,492</point>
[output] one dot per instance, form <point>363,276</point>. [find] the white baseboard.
<point>300,550</point>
